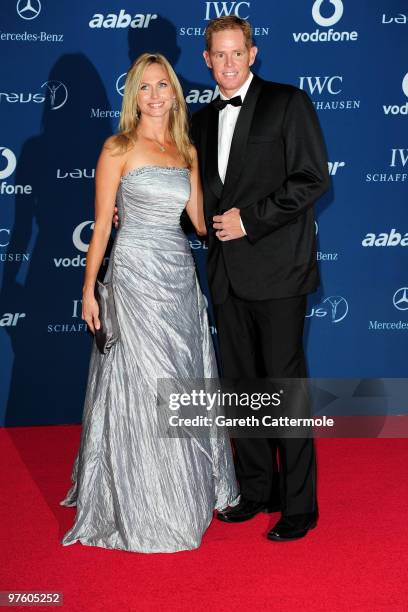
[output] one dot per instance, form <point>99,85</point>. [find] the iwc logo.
<point>326,92</point>
<point>213,10</point>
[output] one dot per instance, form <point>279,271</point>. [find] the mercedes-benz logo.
<point>339,307</point>
<point>11,163</point>
<point>400,298</point>
<point>28,9</point>
<point>58,93</point>
<point>120,84</point>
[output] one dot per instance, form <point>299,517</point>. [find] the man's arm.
<point>307,172</point>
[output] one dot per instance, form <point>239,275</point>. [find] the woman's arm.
<point>107,177</point>
<point>194,206</point>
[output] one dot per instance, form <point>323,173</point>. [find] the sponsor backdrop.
<point>62,76</point>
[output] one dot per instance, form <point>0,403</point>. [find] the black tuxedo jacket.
<point>277,169</point>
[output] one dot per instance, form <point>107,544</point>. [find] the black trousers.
<point>265,339</point>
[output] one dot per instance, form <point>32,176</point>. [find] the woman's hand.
<point>90,311</point>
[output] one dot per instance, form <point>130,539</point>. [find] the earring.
<point>175,105</point>
<point>137,114</point>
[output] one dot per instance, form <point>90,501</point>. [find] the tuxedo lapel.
<point>211,166</point>
<point>236,158</point>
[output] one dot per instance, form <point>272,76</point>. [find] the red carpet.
<point>355,560</point>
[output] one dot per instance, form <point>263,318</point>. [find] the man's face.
<point>229,60</point>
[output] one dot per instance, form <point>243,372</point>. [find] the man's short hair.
<point>229,22</point>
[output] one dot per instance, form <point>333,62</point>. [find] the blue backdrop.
<point>62,75</point>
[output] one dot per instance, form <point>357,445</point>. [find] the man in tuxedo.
<point>263,165</point>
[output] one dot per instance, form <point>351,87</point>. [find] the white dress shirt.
<point>226,125</point>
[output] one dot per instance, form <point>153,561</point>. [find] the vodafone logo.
<point>405,84</point>
<point>11,162</point>
<point>326,13</point>
<point>77,236</point>
<point>398,109</point>
<point>327,21</point>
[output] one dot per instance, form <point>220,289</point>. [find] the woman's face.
<point>156,95</point>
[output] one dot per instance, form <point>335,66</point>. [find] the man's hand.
<point>228,225</point>
<point>115,219</point>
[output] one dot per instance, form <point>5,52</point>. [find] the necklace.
<point>161,147</point>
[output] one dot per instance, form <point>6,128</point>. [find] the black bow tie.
<point>220,104</point>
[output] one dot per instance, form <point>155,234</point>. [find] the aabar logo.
<point>334,167</point>
<point>121,20</point>
<point>10,319</point>
<point>385,239</point>
<point>205,96</point>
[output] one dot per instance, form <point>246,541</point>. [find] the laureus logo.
<point>58,93</point>
<point>334,308</point>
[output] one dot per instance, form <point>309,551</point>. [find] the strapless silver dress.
<point>134,490</point>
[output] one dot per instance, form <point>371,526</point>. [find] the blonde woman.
<point>134,490</point>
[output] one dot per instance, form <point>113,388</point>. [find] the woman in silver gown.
<point>134,490</point>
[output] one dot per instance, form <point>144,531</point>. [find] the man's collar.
<point>242,90</point>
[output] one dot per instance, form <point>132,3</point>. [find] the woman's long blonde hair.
<point>130,115</point>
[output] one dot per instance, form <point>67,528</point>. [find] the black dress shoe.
<point>245,510</point>
<point>292,527</point>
